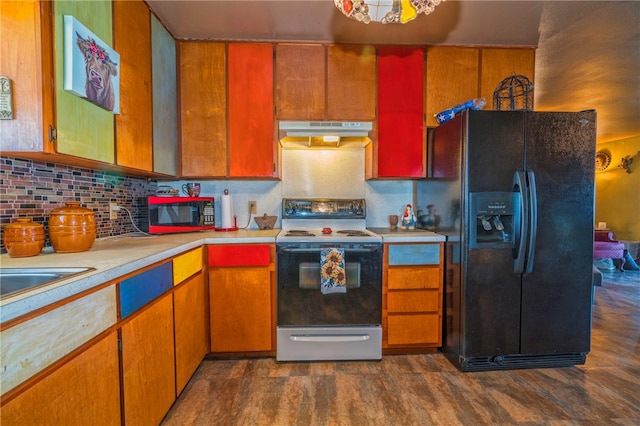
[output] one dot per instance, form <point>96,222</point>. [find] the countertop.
<point>114,257</point>
<point>111,258</point>
<point>408,235</point>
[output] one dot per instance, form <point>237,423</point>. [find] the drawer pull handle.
<point>323,338</point>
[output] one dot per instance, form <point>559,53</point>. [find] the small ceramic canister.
<point>24,238</point>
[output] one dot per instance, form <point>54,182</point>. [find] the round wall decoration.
<point>603,159</point>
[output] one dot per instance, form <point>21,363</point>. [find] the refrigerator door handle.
<point>520,187</point>
<point>532,220</point>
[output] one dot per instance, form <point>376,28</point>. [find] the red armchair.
<point>604,246</point>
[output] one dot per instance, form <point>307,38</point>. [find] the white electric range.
<point>312,325</point>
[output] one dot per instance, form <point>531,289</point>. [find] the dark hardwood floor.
<point>427,389</point>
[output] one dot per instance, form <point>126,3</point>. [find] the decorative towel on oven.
<point>333,278</point>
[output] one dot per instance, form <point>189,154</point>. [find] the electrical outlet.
<point>253,207</point>
<point>113,211</point>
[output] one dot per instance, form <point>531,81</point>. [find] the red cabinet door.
<point>401,142</point>
<point>251,135</point>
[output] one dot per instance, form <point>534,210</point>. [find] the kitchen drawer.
<point>187,264</point>
<point>413,329</point>
<point>413,301</point>
<point>411,277</point>
<point>414,254</point>
<point>35,344</point>
<point>239,255</point>
<point>137,291</point>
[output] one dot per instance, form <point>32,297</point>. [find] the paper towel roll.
<point>226,211</point>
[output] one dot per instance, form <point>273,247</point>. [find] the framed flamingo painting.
<point>91,67</point>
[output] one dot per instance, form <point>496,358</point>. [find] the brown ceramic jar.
<point>23,238</point>
<point>72,228</point>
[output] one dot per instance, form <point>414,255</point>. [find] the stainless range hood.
<point>324,134</point>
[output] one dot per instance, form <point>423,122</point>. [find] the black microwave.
<point>165,215</point>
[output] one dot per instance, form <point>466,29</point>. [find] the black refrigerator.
<point>518,280</point>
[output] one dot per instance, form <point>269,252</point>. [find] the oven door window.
<point>301,303</point>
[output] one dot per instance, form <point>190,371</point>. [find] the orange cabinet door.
<point>401,141</point>
<point>241,309</point>
<point>203,109</point>
<point>300,82</point>
<point>351,83</point>
<point>85,388</point>
<point>134,126</point>
<point>252,141</point>
<point>190,328</point>
<point>148,364</point>
<point>414,329</point>
<point>451,78</point>
<point>498,64</point>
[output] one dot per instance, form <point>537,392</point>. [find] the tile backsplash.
<point>32,189</point>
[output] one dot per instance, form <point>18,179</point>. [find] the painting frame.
<point>91,67</point>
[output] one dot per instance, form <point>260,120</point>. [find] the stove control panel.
<point>323,208</point>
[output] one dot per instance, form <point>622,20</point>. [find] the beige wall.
<point>618,192</point>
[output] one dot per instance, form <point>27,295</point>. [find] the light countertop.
<point>111,258</point>
<point>408,235</point>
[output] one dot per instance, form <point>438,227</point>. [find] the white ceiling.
<point>587,57</point>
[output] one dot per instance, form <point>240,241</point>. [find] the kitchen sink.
<point>17,280</point>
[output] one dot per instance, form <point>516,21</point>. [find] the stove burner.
<point>299,233</point>
<point>354,233</point>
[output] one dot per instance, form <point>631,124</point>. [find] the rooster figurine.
<point>408,218</point>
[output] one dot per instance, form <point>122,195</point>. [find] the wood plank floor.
<point>427,389</point>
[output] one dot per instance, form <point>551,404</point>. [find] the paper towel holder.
<point>235,218</point>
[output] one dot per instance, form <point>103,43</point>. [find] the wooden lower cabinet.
<point>414,329</point>
<point>240,309</point>
<point>242,297</point>
<point>84,390</point>
<point>190,328</point>
<point>412,296</point>
<point>148,363</point>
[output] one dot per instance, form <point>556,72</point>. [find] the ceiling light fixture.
<point>386,11</point>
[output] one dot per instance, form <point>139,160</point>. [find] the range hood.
<point>324,134</point>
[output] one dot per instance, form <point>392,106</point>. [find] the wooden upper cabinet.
<point>32,46</point>
<point>25,60</point>
<point>351,82</point>
<point>451,79</point>
<point>84,129</point>
<point>203,109</point>
<point>165,99</point>
<point>300,82</point>
<point>252,142</point>
<point>134,123</point>
<point>401,143</point>
<point>498,64</point>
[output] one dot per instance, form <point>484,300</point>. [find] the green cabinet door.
<point>84,129</point>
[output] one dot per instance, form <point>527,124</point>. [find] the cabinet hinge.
<point>53,134</point>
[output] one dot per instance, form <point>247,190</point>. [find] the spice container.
<point>24,238</point>
<point>72,228</point>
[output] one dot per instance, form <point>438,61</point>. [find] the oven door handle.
<point>317,249</point>
<point>324,338</point>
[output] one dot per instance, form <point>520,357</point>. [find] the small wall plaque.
<point>6,99</point>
